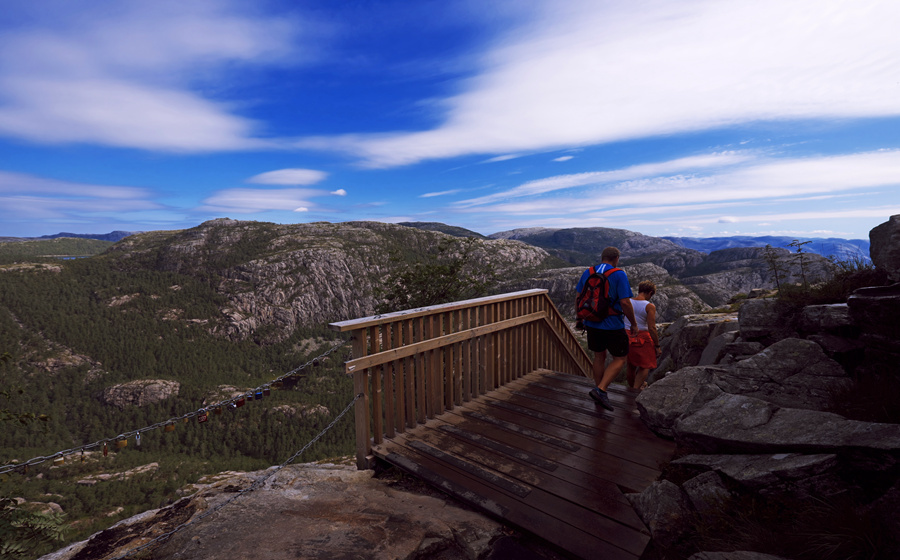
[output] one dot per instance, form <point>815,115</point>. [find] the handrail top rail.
<point>353,324</point>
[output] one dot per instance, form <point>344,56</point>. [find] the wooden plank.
<point>594,493</point>
<point>353,324</point>
<point>575,532</point>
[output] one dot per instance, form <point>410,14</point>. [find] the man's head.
<point>610,255</point>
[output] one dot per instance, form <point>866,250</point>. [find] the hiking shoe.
<point>601,398</point>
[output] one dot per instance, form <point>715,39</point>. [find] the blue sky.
<point>691,117</point>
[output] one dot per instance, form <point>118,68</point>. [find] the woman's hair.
<point>646,287</point>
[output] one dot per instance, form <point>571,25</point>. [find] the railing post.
<point>361,409</point>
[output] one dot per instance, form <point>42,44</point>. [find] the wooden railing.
<point>412,365</point>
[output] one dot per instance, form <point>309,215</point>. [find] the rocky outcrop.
<point>884,242</point>
<point>683,343</point>
<point>277,278</point>
<point>764,423</point>
<point>672,300</point>
<point>140,392</point>
<point>325,511</point>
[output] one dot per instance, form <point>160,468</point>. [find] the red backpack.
<point>593,303</point>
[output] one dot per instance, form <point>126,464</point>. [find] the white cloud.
<point>134,75</point>
<point>563,158</point>
<point>339,192</point>
<point>439,193</point>
<point>746,188</point>
<point>560,182</point>
<point>248,201</point>
<point>585,72</point>
<point>289,177</point>
<point>20,184</point>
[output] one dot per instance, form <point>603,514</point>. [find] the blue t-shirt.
<point>619,289</point>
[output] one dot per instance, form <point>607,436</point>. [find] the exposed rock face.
<point>792,373</point>
<point>302,511</point>
<point>672,300</point>
<point>279,277</point>
<point>140,392</point>
<point>885,247</point>
<point>683,343</point>
<point>757,413</point>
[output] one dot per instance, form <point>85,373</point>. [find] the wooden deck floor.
<point>541,455</point>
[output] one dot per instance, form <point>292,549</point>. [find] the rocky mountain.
<point>711,279</point>
<point>841,249</point>
<point>582,246</point>
<point>111,236</point>
<point>455,231</point>
<point>277,278</point>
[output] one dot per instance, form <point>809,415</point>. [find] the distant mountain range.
<point>111,236</point>
<point>852,250</point>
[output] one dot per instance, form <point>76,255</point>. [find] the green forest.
<point>71,329</point>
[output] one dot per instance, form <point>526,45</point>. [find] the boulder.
<point>683,341</point>
<point>793,372</point>
<point>799,475</point>
<point>682,392</point>
<point>876,311</point>
<point>140,392</point>
<point>666,511</point>
<point>884,247</point>
<point>715,350</point>
<point>735,555</point>
<point>832,318</point>
<point>765,320</point>
<point>706,492</point>
<point>740,424</point>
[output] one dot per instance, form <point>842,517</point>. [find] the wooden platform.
<point>539,454</point>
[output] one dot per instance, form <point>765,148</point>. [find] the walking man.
<point>610,333</point>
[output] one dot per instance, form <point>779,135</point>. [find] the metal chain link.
<point>256,484</point>
<point>125,435</point>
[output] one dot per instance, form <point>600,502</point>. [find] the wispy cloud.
<point>744,189</point>
<point>289,177</point>
<point>27,197</point>
<point>249,201</point>
<point>134,75</point>
<point>560,182</point>
<point>440,193</point>
<point>585,72</point>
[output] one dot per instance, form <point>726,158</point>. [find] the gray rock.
<point>797,474</point>
<point>884,247</point>
<point>826,318</point>
<point>715,350</point>
<point>765,320</point>
<point>682,392</point>
<point>682,343</point>
<point>140,392</point>
<point>337,511</point>
<point>735,555</point>
<point>741,349</point>
<point>741,424</point>
<point>793,372</point>
<point>666,511</point>
<point>706,491</point>
<point>876,311</point>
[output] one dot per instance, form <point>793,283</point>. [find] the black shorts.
<point>600,340</point>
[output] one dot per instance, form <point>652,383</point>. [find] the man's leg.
<point>615,366</point>
<point>599,365</point>
<point>641,377</point>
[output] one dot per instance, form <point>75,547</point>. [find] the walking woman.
<point>644,346</point>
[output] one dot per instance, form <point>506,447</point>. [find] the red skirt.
<point>641,351</point>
